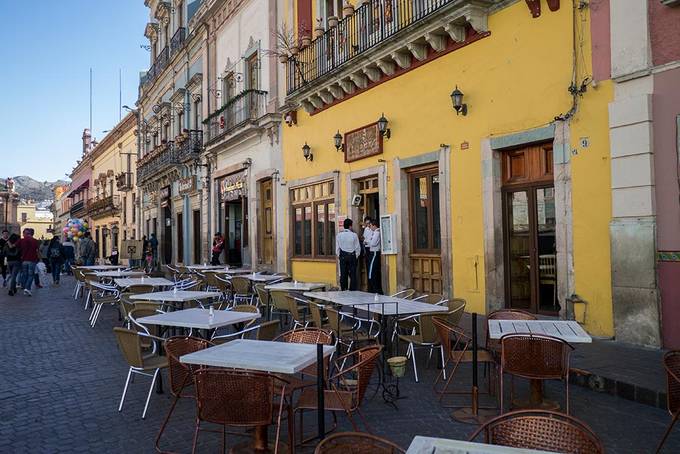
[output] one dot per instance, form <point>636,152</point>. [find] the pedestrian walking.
<point>217,248</point>
<point>153,243</point>
<point>30,256</point>
<point>3,266</point>
<point>56,254</point>
<point>69,255</point>
<point>348,249</point>
<point>45,254</point>
<point>374,271</point>
<point>88,250</point>
<point>12,254</point>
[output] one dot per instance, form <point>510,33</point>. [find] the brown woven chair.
<point>534,357</point>
<point>453,347</point>
<point>494,345</point>
<point>347,386</point>
<point>181,375</point>
<point>238,399</point>
<point>356,443</point>
<point>407,294</point>
<point>138,289</point>
<point>130,344</point>
<point>671,362</point>
<point>542,430</point>
<point>241,288</point>
<point>307,336</point>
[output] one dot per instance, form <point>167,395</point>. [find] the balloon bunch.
<point>75,229</point>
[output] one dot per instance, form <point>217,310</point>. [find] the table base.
<point>536,399</point>
<point>467,415</point>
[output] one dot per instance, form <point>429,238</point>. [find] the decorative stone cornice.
<point>151,31</point>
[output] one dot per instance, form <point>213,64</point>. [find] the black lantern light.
<point>457,101</point>
<point>382,127</point>
<point>307,152</point>
<point>337,138</point>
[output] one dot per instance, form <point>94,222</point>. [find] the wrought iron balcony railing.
<point>189,144</point>
<point>103,206</point>
<point>186,146</point>
<point>247,106</point>
<point>177,40</point>
<point>371,24</point>
<point>79,208</point>
<point>159,64</point>
<point>124,181</point>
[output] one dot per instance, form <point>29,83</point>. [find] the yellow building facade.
<point>41,221</point>
<point>503,200</point>
<point>111,207</point>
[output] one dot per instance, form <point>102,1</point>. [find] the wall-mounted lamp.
<point>337,138</point>
<point>291,118</point>
<point>457,101</point>
<point>382,127</point>
<point>307,152</point>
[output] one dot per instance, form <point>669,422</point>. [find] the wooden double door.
<point>529,220</point>
<point>425,230</point>
<point>266,220</point>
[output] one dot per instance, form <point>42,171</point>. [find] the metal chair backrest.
<point>126,304</point>
<point>293,308</point>
<point>456,310</point>
<point>235,398</point>
<point>433,298</point>
<point>426,330</point>
<point>279,299</point>
<point>130,346</point>
<point>262,294</point>
<point>267,330</point>
<point>546,265</point>
<point>315,313</point>
<point>541,430</point>
<point>363,367</point>
<point>535,356</point>
<point>307,336</point>
<point>510,314</point>
<point>180,373</point>
<point>671,363</point>
<point>356,442</point>
<point>138,289</point>
<point>245,308</point>
<point>241,285</point>
<point>405,294</point>
<point>446,332</point>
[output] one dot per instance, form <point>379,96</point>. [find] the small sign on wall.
<point>388,240</point>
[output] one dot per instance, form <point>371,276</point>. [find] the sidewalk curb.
<point>624,390</point>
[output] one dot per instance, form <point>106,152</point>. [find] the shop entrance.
<point>235,234</point>
<point>425,254</point>
<point>266,250</point>
<point>529,230</point>
<point>167,234</point>
<point>369,205</point>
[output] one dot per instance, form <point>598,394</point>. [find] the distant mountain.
<point>30,189</point>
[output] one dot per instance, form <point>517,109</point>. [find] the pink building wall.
<point>600,36</point>
<point>664,26</point>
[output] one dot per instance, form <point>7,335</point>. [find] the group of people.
<point>349,251</point>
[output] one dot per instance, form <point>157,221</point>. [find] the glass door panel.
<point>519,249</point>
<point>545,231</point>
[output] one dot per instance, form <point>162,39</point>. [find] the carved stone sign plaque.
<point>363,142</point>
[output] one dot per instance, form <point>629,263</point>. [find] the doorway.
<point>425,252</point>
<point>167,234</point>
<point>266,250</point>
<point>529,230</point>
<point>233,231</point>
<point>197,236</point>
<point>368,205</point>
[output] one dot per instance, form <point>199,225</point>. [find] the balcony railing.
<point>124,181</point>
<point>245,107</point>
<point>157,68</point>
<point>103,206</point>
<point>189,144</point>
<point>186,146</point>
<point>177,40</point>
<point>371,24</point>
<point>79,208</point>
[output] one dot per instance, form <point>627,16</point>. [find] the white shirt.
<point>367,235</point>
<point>347,241</point>
<point>374,243</point>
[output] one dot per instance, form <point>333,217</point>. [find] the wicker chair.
<point>347,329</point>
<point>138,289</point>
<point>356,443</point>
<point>223,284</point>
<point>241,288</point>
<point>307,336</point>
<point>671,362</point>
<point>264,331</point>
<point>130,344</point>
<point>347,386</point>
<point>534,357</point>
<point>406,294</point>
<point>101,294</point>
<point>238,399</point>
<point>181,375</point>
<point>541,430</point>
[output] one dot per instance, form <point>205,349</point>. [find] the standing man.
<point>3,266</point>
<point>30,255</point>
<point>88,250</point>
<point>153,242</point>
<point>69,255</point>
<point>374,274</point>
<point>348,249</point>
<point>366,239</point>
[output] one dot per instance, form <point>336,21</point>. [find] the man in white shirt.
<point>366,238</point>
<point>374,264</point>
<point>348,249</point>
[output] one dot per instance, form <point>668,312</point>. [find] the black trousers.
<point>374,274</point>
<point>348,270</point>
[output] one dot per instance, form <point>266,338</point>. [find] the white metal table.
<point>153,281</point>
<point>103,267</point>
<point>567,330</point>
<point>205,267</point>
<point>383,305</point>
<point>199,318</point>
<point>232,271</point>
<point>266,356</point>
<point>120,274</point>
<point>180,296</point>
<point>296,286</point>
<point>256,277</point>
<point>428,445</point>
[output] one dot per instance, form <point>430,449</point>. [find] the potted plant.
<point>397,366</point>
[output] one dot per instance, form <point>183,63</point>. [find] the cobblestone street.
<point>62,381</point>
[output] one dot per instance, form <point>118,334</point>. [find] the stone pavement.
<point>61,382</point>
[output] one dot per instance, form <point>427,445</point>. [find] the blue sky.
<point>47,48</point>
